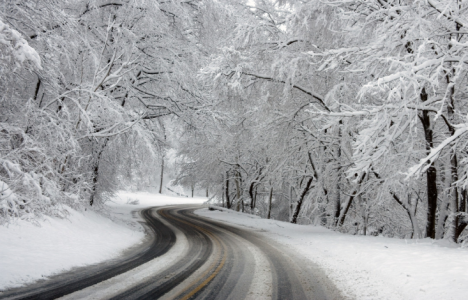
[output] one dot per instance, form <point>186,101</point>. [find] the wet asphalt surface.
<point>217,265</point>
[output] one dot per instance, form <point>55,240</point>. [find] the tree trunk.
<point>252,198</point>
<point>443,212</point>
<point>453,230</point>
<point>410,209</point>
<point>338,181</point>
<point>291,190</point>
<point>364,213</point>
<point>95,179</point>
<point>269,203</point>
<point>162,175</point>
<point>238,181</point>
<point>452,203</point>
<point>463,208</point>
<point>414,221</point>
<point>162,155</point>
<point>96,172</point>
<point>253,190</point>
<point>255,197</point>
<point>345,208</point>
<point>228,202</point>
<point>223,190</point>
<point>222,197</point>
<point>301,200</point>
<point>238,194</point>
<point>431,201</point>
<point>38,86</point>
<point>364,228</point>
<point>431,173</point>
<point>453,226</point>
<point>463,199</point>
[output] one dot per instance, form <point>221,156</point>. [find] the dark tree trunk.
<point>255,197</point>
<point>269,202</point>
<point>228,202</point>
<point>95,179</point>
<point>463,201</point>
<point>222,197</point>
<point>253,190</point>
<point>238,194</point>
<point>454,196</point>
<point>162,175</point>
<point>454,226</point>
<point>347,205</point>
<point>239,197</point>
<point>338,181</point>
<point>463,208</point>
<point>38,86</point>
<point>431,173</point>
<point>223,191</point>
<point>162,155</point>
<point>461,227</point>
<point>345,209</point>
<point>252,197</point>
<point>301,200</point>
<point>96,172</point>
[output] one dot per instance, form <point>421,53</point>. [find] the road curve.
<point>207,260</point>
<point>159,240</point>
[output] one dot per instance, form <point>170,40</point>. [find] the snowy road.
<point>191,257</point>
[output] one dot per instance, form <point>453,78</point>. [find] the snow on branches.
<point>368,94</point>
<point>17,46</point>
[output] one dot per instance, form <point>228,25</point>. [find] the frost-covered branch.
<point>18,46</point>
<point>445,12</point>
<point>372,111</point>
<point>316,96</point>
<point>435,152</point>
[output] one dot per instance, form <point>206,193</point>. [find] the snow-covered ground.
<point>29,252</point>
<point>365,267</point>
<point>146,199</point>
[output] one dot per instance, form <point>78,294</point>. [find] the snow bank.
<point>145,199</point>
<point>365,267</point>
<point>29,252</point>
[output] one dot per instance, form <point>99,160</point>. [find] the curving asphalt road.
<point>187,256</point>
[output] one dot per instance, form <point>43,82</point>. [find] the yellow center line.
<point>210,268</point>
<point>204,283</point>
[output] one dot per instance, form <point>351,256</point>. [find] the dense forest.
<point>346,114</point>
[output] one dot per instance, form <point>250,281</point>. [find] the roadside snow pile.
<point>29,252</point>
<point>145,199</point>
<point>366,267</point>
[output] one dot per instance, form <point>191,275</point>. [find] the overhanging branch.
<point>316,96</point>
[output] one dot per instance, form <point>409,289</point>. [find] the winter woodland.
<point>347,114</point>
